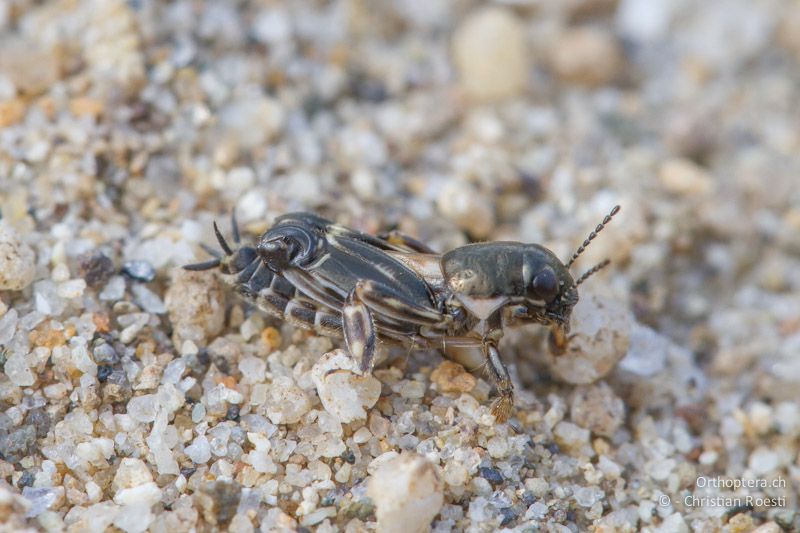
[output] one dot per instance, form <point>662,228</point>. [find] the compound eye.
<point>545,284</point>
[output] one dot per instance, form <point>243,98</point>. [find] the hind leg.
<point>358,328</point>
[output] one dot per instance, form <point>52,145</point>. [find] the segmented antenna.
<point>591,237</point>
<point>235,228</point>
<point>222,242</point>
<point>594,270</point>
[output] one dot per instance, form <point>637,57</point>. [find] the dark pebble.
<point>187,472</point>
<point>491,475</point>
<point>26,479</point>
<point>17,444</point>
<point>225,495</point>
<point>95,268</point>
<point>40,419</point>
<point>139,270</point>
<point>508,515</point>
<point>103,371</point>
<point>232,413</point>
<point>104,353</point>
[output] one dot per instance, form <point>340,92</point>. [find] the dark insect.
<point>343,283</point>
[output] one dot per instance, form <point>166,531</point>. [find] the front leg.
<point>454,347</point>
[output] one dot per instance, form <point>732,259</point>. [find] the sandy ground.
<point>137,396</point>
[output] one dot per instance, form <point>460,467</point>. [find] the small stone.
<point>30,68</point>
<point>570,436</point>
<point>196,306</point>
<point>343,391</point>
<point>597,409</point>
<point>252,121</point>
<point>139,270</point>
<point>114,289</point>
<point>46,298</point>
<point>599,337</point>
<point>146,494</point>
<point>763,461</point>
<point>647,353</point>
<point>131,473</point>
<point>95,268</point>
<point>17,260</point>
<point>674,523</point>
<point>143,408</point>
<point>71,289</point>
<point>134,518</point>
<point>219,501</point>
<point>462,203</point>
<point>12,111</point>
<point>490,51</point>
<point>148,300</point>
<point>452,377</point>
<point>684,177</point>
<point>18,443</point>
<point>407,492</point>
<point>287,402</point>
<point>586,56</point>
<point>41,499</point>
<point>8,326</point>
<point>491,475</point>
<point>497,447</point>
<point>199,451</point>
<point>17,369</point>
<point>789,29</point>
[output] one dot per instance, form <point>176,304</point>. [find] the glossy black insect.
<point>343,283</point>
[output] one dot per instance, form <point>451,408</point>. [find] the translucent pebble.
<point>497,447</point>
<point>148,300</point>
<point>647,354</point>
<point>253,369</point>
<point>40,498</point>
<point>198,413</point>
<point>46,298</point>
<point>71,288</point>
<point>199,451</point>
<point>587,496</point>
<point>763,461</point>
<point>140,270</point>
<point>8,325</point>
<point>31,320</point>
<point>143,408</point>
<point>536,511</point>
<point>17,370</point>
<point>174,371</point>
<point>134,518</point>
<point>114,289</point>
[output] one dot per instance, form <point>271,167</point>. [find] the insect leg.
<point>397,238</point>
<point>305,283</point>
<point>386,302</point>
<point>359,330</point>
<point>504,403</point>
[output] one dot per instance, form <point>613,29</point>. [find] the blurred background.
<point>127,127</point>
